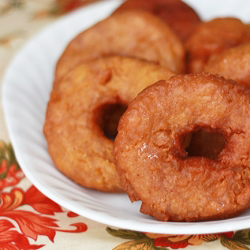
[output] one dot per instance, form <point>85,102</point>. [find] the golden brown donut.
<point>213,37</point>
<point>79,110</point>
<point>180,17</point>
<point>133,33</point>
<point>233,64</point>
<point>150,154</point>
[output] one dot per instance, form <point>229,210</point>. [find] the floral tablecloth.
<point>30,220</point>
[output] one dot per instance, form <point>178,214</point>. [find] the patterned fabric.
<point>30,220</point>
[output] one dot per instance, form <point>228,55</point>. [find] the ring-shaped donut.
<point>180,17</point>
<point>150,154</point>
<point>132,33</point>
<point>213,37</point>
<point>79,109</point>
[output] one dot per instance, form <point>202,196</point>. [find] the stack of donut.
<point>178,87</point>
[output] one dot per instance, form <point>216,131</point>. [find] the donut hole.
<point>203,142</point>
<point>108,118</point>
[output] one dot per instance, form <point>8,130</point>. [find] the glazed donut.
<point>133,33</point>
<point>213,37</point>
<point>79,110</point>
<point>233,64</point>
<point>180,17</point>
<point>152,161</point>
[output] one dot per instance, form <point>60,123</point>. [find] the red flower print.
<point>164,242</point>
<point>30,224</point>
<point>228,235</point>
<point>182,241</point>
<point>20,241</point>
<point>177,241</point>
<point>8,237</point>
<point>10,171</point>
<point>40,202</point>
<point>3,167</point>
<point>72,214</point>
<point>13,176</point>
<point>138,240</point>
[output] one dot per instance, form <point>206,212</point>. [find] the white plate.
<point>27,85</point>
